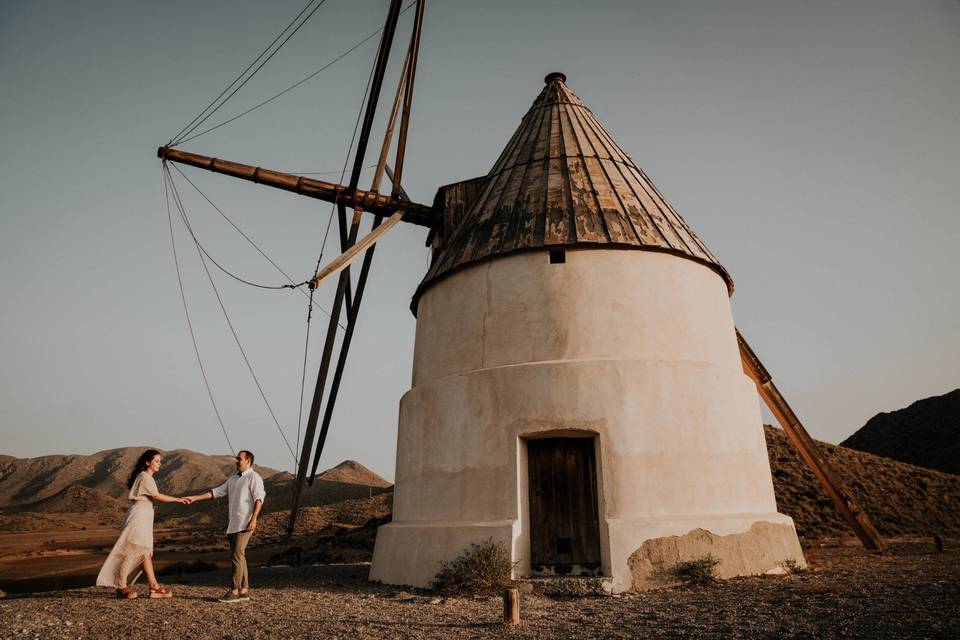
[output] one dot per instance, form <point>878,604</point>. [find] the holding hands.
<point>196,498</point>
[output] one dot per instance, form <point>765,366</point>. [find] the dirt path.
<point>913,593</point>
<point>63,559</point>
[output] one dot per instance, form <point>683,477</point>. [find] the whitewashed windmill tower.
<point>577,391</point>
<point>579,388</point>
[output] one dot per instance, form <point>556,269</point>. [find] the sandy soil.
<point>912,593</point>
<point>44,560</point>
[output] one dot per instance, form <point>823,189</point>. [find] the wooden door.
<point>564,513</point>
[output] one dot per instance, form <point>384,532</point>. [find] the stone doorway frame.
<point>521,542</point>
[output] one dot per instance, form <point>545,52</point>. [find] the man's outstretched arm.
<point>217,492</point>
<point>200,497</point>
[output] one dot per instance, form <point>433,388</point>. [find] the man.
<point>245,496</point>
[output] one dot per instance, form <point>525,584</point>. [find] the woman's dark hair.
<point>141,465</point>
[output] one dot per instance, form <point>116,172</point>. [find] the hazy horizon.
<point>813,147</point>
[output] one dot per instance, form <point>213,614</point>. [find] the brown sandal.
<point>160,592</point>
<point>126,593</point>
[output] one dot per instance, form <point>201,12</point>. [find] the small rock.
<point>525,587</point>
<point>436,601</point>
<point>776,571</point>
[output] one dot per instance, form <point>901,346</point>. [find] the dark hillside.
<point>927,434</point>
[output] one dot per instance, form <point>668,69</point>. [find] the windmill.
<point>580,392</point>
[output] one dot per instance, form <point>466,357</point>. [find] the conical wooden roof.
<point>563,181</point>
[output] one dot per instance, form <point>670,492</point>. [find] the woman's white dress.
<point>136,538</point>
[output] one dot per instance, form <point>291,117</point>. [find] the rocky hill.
<point>24,480</point>
<point>73,499</point>
<point>67,490</point>
<point>927,434</point>
<point>899,498</point>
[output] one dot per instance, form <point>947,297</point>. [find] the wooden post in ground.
<point>511,607</point>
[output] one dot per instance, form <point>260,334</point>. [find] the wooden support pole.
<point>380,65</point>
<point>304,459</point>
<point>344,350</point>
<point>832,486</point>
<point>401,193</point>
<point>379,69</point>
<point>348,291</point>
<point>511,607</point>
<point>404,90</point>
<point>409,79</point>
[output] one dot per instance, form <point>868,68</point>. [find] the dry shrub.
<point>791,565</point>
<point>483,569</point>
<point>698,571</point>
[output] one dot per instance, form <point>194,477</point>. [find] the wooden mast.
<point>369,201</point>
<point>376,82</point>
<point>831,484</point>
<point>404,88</point>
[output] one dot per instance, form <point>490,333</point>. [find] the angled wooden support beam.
<point>832,485</point>
<point>342,261</point>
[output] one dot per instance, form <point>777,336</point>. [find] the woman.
<point>135,544</point>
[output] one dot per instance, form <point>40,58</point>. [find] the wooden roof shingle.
<point>563,181</point>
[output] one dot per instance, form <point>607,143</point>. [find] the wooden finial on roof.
<point>556,75</point>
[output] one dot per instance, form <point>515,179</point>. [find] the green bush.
<point>483,569</point>
<point>698,571</point>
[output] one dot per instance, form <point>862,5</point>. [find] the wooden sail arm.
<point>369,201</point>
<point>832,485</point>
<point>342,261</point>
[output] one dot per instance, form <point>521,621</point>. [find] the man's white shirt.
<point>242,492</point>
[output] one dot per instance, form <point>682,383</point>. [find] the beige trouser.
<point>238,548</point>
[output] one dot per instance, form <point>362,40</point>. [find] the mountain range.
<point>95,486</point>
<point>900,496</point>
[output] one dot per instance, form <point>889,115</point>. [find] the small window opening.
<point>558,256</point>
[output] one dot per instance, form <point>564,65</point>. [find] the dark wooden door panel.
<point>564,513</point>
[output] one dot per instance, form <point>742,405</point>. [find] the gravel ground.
<point>847,593</point>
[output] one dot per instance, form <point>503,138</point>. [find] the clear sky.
<point>814,146</point>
